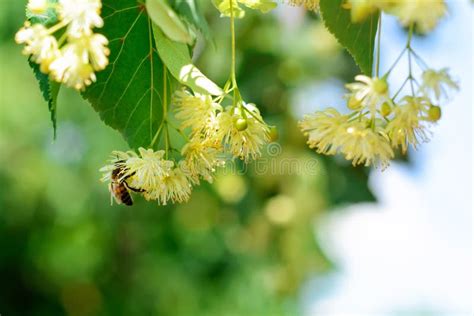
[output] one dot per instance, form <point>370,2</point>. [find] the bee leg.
<point>136,190</point>
<point>111,195</point>
<point>133,189</point>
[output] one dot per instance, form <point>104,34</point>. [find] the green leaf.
<point>190,10</point>
<point>164,16</point>
<point>128,94</point>
<point>47,18</point>
<point>358,39</point>
<point>347,184</point>
<point>49,90</point>
<point>178,61</point>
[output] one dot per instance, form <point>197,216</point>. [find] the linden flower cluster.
<point>238,129</point>
<point>378,124</point>
<point>214,132</point>
<point>212,127</point>
<point>74,58</point>
<point>149,174</point>
<point>425,14</point>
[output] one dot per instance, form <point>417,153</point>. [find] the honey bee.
<point>119,188</point>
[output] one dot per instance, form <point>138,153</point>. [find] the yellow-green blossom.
<point>39,43</point>
<point>370,92</point>
<point>365,145</point>
<point>424,13</point>
<point>197,111</point>
<point>145,171</point>
<point>330,132</point>
<point>437,83</point>
<point>78,60</point>
<point>82,52</point>
<point>245,143</point>
<point>37,6</point>
<point>201,157</point>
<point>81,15</point>
<point>307,4</point>
<point>173,187</point>
<point>149,174</point>
<point>323,129</point>
<point>361,9</point>
<point>407,126</point>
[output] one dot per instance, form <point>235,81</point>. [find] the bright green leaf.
<point>169,22</point>
<point>47,18</point>
<point>128,94</point>
<point>178,61</point>
<point>190,10</point>
<point>358,39</point>
<point>49,89</point>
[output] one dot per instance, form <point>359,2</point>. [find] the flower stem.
<point>233,86</point>
<point>165,110</point>
<point>410,64</point>
<point>232,34</point>
<point>379,35</point>
<point>400,90</point>
<point>57,27</point>
<point>396,62</point>
<point>157,134</point>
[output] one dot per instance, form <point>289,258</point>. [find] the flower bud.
<point>385,109</point>
<point>380,86</point>
<point>240,124</point>
<point>273,134</point>
<point>354,103</point>
<point>434,113</point>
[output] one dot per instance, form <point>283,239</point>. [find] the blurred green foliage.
<point>242,246</point>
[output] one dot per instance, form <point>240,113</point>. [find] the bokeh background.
<point>322,238</point>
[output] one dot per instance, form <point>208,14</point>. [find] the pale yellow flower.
<point>174,187</point>
<point>323,129</point>
<point>42,46</point>
<point>95,47</point>
<point>407,126</point>
<point>72,70</point>
<point>78,60</point>
<point>147,170</point>
<point>371,92</point>
<point>82,16</point>
<point>37,6</point>
<point>243,143</point>
<point>425,13</point>
<point>437,83</point>
<point>365,145</point>
<point>201,159</point>
<point>307,4</point>
<point>361,9</point>
<point>149,174</point>
<point>196,111</point>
